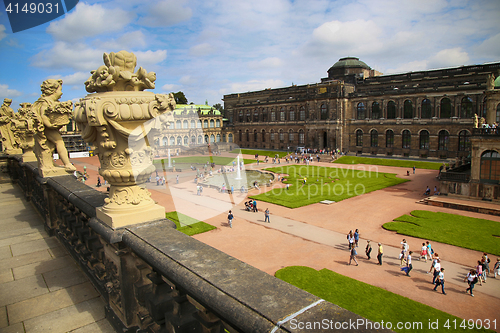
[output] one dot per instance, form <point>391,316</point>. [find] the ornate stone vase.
<point>117,123</point>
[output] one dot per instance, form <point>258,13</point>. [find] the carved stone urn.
<point>23,127</point>
<point>117,119</point>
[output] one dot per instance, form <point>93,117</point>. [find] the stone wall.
<point>156,279</point>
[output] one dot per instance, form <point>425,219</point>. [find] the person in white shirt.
<point>471,280</point>
<point>440,281</point>
<point>408,263</point>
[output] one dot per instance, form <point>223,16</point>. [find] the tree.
<point>180,98</point>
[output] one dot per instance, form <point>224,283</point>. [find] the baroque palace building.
<point>357,109</point>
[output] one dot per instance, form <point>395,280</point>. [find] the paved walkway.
<point>41,287</point>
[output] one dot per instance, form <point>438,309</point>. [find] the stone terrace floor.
<point>41,287</point>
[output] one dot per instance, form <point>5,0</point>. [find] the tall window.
<point>406,138</point>
<point>230,138</point>
<point>374,138</point>
<point>186,141</point>
<point>255,115</point>
<point>185,124</point>
<point>198,124</point>
<point>359,138</point>
<point>273,116</point>
<point>240,136</point>
<point>247,118</point>
<point>217,123</point>
<point>463,141</point>
<point>389,139</point>
<point>172,141</point>
<point>292,114</point>
<point>282,136</point>
<point>179,140</point>
<point>240,116</point>
<point>290,136</point>
<point>391,110</point>
<point>178,124</point>
<point>212,123</point>
<point>200,139</point>
<point>324,112</point>
<point>376,112</point>
<point>302,113</point>
<point>361,111</point>
<point>443,139</point>
<point>217,138</point>
<point>424,139</point>
<point>466,108</point>
<point>426,109</point>
<point>282,114</point>
<point>206,138</point>
<point>490,166</point>
<point>271,136</point>
<point>408,109</point>
<point>212,138</point>
<point>247,136</point>
<point>165,141</point>
<point>193,139</point>
<point>301,137</point>
<point>498,114</point>
<point>263,135</point>
<point>205,124</point>
<point>255,135</point>
<point>445,108</point>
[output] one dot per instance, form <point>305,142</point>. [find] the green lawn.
<point>252,152</point>
<point>324,183</point>
<point>188,225</point>
<point>371,302</point>
<point>467,232</point>
<point>389,162</point>
<point>219,160</point>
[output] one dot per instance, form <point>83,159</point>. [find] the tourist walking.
<point>368,249</point>
<point>380,253</point>
<point>350,239</point>
<point>353,256</point>
<point>255,206</point>
<point>408,263</point>
<point>440,281</point>
<point>266,216</point>
<point>356,237</point>
<point>479,272</point>
<point>423,252</point>
<point>430,251</point>
<point>230,219</point>
<point>496,268</point>
<point>471,279</point>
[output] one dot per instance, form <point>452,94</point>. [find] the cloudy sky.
<point>210,48</point>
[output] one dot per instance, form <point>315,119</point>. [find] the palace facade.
<point>423,114</point>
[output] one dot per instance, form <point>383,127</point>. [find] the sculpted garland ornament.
<point>117,118</point>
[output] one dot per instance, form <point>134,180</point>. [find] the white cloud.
<point>201,49</point>
<point>412,66</point>
<point>127,41</point>
<point>77,56</point>
<point>89,20</point>
<point>252,85</point>
<point>169,87</point>
<point>166,13</point>
<point>149,58</point>
<point>448,58</point>
<point>77,78</point>
<point>5,92</point>
<point>2,32</point>
<point>490,47</point>
<point>187,80</point>
<point>271,62</point>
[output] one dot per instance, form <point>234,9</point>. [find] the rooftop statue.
<point>50,116</point>
<point>9,144</point>
<point>117,118</point>
<point>23,126</point>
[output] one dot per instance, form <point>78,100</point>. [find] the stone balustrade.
<point>156,279</point>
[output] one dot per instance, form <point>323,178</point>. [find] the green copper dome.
<point>350,62</point>
<point>497,82</point>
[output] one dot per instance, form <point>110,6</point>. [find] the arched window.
<point>165,141</point>
<point>185,124</point>
<point>248,119</point>
<point>240,116</point>
<point>171,125</point>
<point>193,124</point>
<point>445,108</point>
<point>406,139</point>
<point>200,139</point>
<point>490,167</point>
<point>212,123</point>
<point>264,115</point>
<point>212,138</point>
<point>408,109</point>
<point>218,138</point>
<point>247,134</point>
<point>178,124</point>
<point>271,136</point>
<point>376,114</point>
<point>359,138</point>
<point>391,110</point>
<point>463,141</point>
<point>263,135</point>
<point>466,108</point>
<point>324,112</point>
<point>186,140</point>
<point>240,136</point>
<point>424,139</point>
<point>389,139</point>
<point>172,141</point>
<point>206,138</point>
<point>205,124</point>
<point>426,109</point>
<point>281,136</point>
<point>301,137</point>
<point>179,140</point>
<point>198,124</point>
<point>302,113</point>
<point>273,116</point>
<point>485,108</point>
<point>290,136</point>
<point>230,138</point>
<point>255,135</point>
<point>443,139</point>
<point>292,114</point>
<point>282,114</point>
<point>361,110</point>
<point>255,115</point>
<point>374,138</point>
<point>498,114</point>
<point>193,139</point>
<point>217,123</point>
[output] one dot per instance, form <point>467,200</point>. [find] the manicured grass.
<point>252,152</point>
<point>324,183</point>
<point>188,225</point>
<point>368,301</point>
<point>389,162</point>
<point>219,160</point>
<point>467,232</point>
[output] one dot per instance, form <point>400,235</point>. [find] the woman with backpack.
<point>471,279</point>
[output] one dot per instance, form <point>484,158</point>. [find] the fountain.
<point>169,159</point>
<point>238,169</point>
